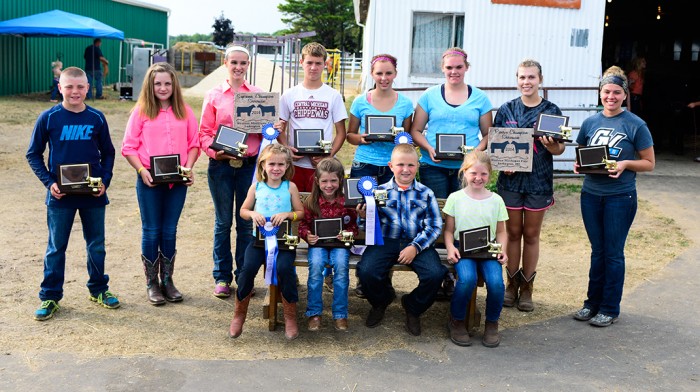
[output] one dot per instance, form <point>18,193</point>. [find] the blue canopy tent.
<point>57,23</point>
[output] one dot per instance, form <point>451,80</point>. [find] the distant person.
<point>692,106</point>
<point>160,124</point>
<point>609,201</point>
<point>229,177</point>
<point>94,60</point>
<point>636,85</point>
<point>74,133</point>
<point>411,223</point>
<point>312,105</point>
<point>527,195</point>
<point>56,67</point>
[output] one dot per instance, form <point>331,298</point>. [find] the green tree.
<point>189,38</point>
<point>223,30</point>
<point>332,20</point>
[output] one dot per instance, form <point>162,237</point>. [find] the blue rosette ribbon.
<point>269,231</point>
<point>403,138</point>
<point>373,234</point>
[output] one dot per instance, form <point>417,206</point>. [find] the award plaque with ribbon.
<point>166,169</point>
<point>75,179</point>
<point>353,197</point>
<point>373,230</point>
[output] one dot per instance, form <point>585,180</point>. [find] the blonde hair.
<point>314,49</point>
<point>266,153</point>
<point>327,165</point>
<point>73,72</point>
<point>404,148</point>
<point>148,104</point>
<point>473,158</point>
<point>527,63</point>
<point>454,51</point>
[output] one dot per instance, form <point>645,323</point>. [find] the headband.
<point>455,53</point>
<point>613,79</point>
<point>236,48</point>
<point>384,58</point>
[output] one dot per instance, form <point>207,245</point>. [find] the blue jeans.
<point>492,272</point>
<point>227,185</point>
<point>361,169</point>
<point>60,222</point>
<point>607,220</point>
<point>286,276</point>
<point>440,180</point>
<point>97,77</point>
<point>160,208</point>
<point>338,259</point>
<point>376,263</point>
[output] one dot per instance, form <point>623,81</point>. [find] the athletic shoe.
<point>602,320</point>
<point>584,314</point>
<point>106,299</point>
<point>222,289</point>
<point>46,310</point>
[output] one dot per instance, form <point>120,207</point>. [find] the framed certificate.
<point>474,243</point>
<point>327,230</point>
<point>554,126</point>
<point>591,159</point>
<point>230,140</point>
<point>449,146</point>
<point>310,142</point>
<point>353,197</point>
<point>76,179</point>
<point>379,128</point>
<point>283,236</point>
<point>166,169</point>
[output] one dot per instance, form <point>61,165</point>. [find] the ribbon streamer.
<point>271,250</point>
<point>373,233</point>
<point>270,134</point>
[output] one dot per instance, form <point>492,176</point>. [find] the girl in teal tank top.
<point>275,198</point>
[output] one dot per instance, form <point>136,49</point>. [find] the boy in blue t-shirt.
<point>75,133</point>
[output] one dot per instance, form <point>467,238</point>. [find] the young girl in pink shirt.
<point>160,124</point>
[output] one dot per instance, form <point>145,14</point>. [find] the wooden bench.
<point>273,297</point>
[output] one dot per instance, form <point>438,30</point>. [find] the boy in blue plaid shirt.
<point>411,222</point>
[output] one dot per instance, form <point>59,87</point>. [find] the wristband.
<point>140,169</point>
<point>294,216</point>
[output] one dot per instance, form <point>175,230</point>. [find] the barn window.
<point>432,34</point>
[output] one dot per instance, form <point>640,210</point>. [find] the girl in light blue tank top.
<point>273,197</point>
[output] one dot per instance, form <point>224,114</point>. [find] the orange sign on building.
<point>543,3</point>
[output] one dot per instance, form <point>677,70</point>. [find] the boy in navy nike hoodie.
<point>75,133</point>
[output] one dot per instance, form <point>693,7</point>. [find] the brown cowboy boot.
<point>291,330</point>
<point>239,315</point>
<point>155,296</point>
<point>511,295</point>
<point>525,301</point>
<point>458,332</point>
<point>166,278</point>
<point>491,337</point>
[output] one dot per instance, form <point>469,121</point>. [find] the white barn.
<point>568,42</point>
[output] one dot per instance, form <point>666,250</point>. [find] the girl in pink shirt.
<point>160,124</point>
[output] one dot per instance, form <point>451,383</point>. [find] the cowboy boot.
<point>155,296</point>
<point>291,330</point>
<point>239,315</point>
<point>166,278</point>
<point>525,301</point>
<point>491,337</point>
<point>511,295</point>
